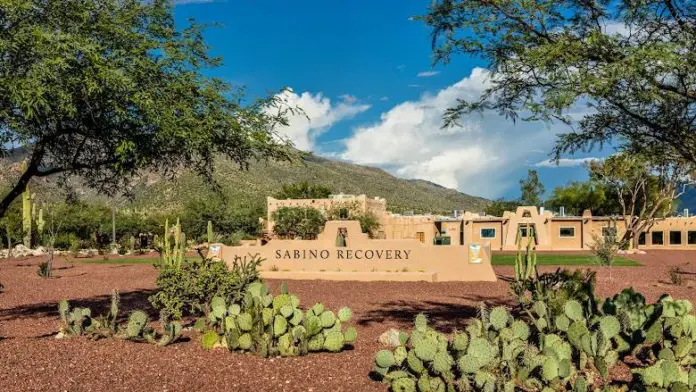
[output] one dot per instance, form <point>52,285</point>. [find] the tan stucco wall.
<point>314,259</point>
<point>474,232</point>
<point>566,243</point>
<point>546,226</point>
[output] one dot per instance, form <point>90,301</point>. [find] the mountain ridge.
<point>265,178</point>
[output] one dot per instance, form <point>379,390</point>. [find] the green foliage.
<point>369,222</point>
<point>173,251</point>
<point>144,77</point>
<point>80,322</point>
<point>525,265</point>
<point>303,190</point>
<point>606,247</point>
<point>303,222</point>
<point>531,189</point>
<point>268,325</point>
<point>561,342</point>
<point>498,207</point>
<point>644,186</point>
<point>577,197</point>
<point>639,79</point>
<point>186,290</point>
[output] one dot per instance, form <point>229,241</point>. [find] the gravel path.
<point>32,360</point>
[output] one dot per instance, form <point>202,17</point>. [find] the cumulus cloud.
<point>383,99</point>
<point>319,114</point>
<point>477,157</point>
<point>427,74</point>
<point>566,162</point>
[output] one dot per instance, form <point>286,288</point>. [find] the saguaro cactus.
<point>525,263</point>
<point>173,255</point>
<point>26,216</point>
<point>210,233</point>
<point>40,223</point>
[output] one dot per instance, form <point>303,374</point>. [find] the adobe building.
<point>549,232</point>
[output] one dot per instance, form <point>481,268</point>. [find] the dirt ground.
<point>32,360</point>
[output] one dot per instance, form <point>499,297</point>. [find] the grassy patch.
<point>120,260</point>
<point>556,259</point>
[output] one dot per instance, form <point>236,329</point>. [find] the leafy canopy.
<point>578,196</point>
<point>105,88</point>
<point>633,62</point>
<point>531,189</point>
<point>303,222</point>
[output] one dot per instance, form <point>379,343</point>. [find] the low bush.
<point>188,288</point>
<point>269,326</point>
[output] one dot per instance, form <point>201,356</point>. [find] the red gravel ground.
<point>32,360</point>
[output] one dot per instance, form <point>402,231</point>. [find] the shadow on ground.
<point>444,316</point>
<point>129,301</point>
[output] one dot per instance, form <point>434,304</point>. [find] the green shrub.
<point>303,222</point>
<point>186,290</point>
<point>65,240</point>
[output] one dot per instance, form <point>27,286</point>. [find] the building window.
<point>523,231</point>
<point>609,232</point>
<point>658,238</point>
<point>641,239</point>
<point>420,236</point>
<point>691,238</point>
<point>675,237</point>
<point>526,214</point>
<point>566,232</point>
<point>487,233</point>
<point>343,213</point>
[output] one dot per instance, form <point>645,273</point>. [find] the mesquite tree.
<point>632,62</point>
<point>105,88</point>
<point>645,188</point>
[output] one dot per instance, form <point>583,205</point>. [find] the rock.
<point>390,338</point>
<point>640,252</point>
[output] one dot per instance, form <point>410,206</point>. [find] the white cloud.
<point>384,99</point>
<point>427,74</point>
<point>319,115</point>
<point>480,157</point>
<point>566,162</point>
<point>401,67</point>
<point>347,98</point>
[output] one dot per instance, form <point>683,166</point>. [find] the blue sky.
<point>362,72</point>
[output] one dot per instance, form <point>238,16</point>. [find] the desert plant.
<point>552,349</point>
<point>44,269</point>
<point>676,274</point>
<point>525,265</point>
<point>268,325</point>
<point>186,290</point>
<point>606,246</point>
<point>173,251</point>
<point>80,322</point>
